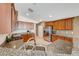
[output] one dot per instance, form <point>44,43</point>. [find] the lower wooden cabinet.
<point>54,38</point>
<point>57,37</point>
<point>26,37</point>
<point>66,39</point>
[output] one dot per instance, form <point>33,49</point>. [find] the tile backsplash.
<point>67,33</point>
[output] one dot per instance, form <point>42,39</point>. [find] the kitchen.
<point>29,22</point>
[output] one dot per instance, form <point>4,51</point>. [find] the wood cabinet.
<point>68,39</point>
<point>7,17</point>
<point>55,25</point>
<point>54,38</point>
<point>59,25</point>
<point>69,24</point>
<point>63,24</point>
<point>27,37</point>
<point>50,23</point>
<point>58,37</point>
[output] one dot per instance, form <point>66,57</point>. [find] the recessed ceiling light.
<point>14,46</point>
<point>34,3</point>
<point>50,16</point>
<point>27,14</point>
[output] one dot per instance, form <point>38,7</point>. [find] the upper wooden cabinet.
<point>69,24</point>
<point>63,24</point>
<point>49,23</point>
<point>55,25</point>
<point>59,25</point>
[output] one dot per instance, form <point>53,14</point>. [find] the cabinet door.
<point>69,24</point>
<point>62,24</point>
<point>54,38</point>
<point>51,23</point>
<point>48,24</point>
<point>55,25</point>
<point>57,37</point>
<point>59,25</point>
<point>68,39</point>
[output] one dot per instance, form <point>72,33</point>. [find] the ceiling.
<point>47,11</point>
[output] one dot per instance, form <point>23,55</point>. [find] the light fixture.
<point>30,10</point>
<point>34,3</point>
<point>14,46</point>
<point>27,14</point>
<point>50,16</point>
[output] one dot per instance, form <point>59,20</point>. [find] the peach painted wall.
<point>5,18</point>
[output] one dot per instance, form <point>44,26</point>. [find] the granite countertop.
<point>64,35</point>
<point>12,52</point>
<point>17,52</point>
<point>50,52</point>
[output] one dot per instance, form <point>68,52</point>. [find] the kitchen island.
<point>12,52</point>
<point>17,52</point>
